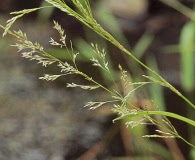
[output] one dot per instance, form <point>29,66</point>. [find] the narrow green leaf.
<point>142,45</point>
<point>187,40</point>
<point>156,90</point>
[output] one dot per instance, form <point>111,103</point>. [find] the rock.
<point>127,8</point>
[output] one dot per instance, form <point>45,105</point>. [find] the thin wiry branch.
<point>86,87</point>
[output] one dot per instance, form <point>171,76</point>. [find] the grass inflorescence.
<point>120,99</point>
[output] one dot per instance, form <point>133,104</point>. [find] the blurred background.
<point>46,121</point>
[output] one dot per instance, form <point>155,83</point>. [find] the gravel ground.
<point>40,120</point>
<point>36,120</point>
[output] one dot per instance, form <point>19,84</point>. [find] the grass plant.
<point>120,99</point>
